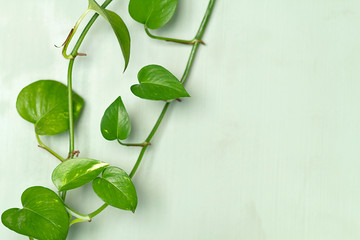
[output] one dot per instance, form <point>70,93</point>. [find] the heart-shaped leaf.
<point>43,217</point>
<point>74,173</point>
<point>45,104</point>
<point>153,13</point>
<point>119,27</point>
<point>116,189</point>
<point>157,83</point>
<point>115,124</point>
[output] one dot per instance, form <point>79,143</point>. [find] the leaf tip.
<point>126,65</point>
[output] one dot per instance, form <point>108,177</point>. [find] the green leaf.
<point>116,189</point>
<point>115,124</point>
<point>153,13</point>
<point>119,27</point>
<point>74,173</point>
<point>43,217</point>
<point>45,104</point>
<point>157,83</point>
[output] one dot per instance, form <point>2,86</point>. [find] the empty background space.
<point>267,147</point>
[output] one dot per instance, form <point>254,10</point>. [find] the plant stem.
<point>77,220</point>
<point>62,195</point>
<point>81,217</point>
<point>133,144</point>
<point>31,238</point>
<point>198,36</point>
<point>189,63</point>
<point>185,76</point>
<point>71,112</point>
<point>70,68</point>
<point>148,139</point>
<point>205,20</point>
<point>43,146</point>
<point>99,210</point>
<point>138,161</point>
<point>190,42</point>
<point>158,122</point>
<point>76,214</point>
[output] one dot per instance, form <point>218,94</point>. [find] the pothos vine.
<point>53,107</point>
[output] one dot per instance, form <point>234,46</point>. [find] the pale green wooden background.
<point>267,148</point>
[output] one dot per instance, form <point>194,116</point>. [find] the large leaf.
<point>157,83</point>
<point>115,124</point>
<point>116,189</point>
<point>119,27</point>
<point>153,13</point>
<point>76,172</point>
<point>43,217</point>
<point>45,103</point>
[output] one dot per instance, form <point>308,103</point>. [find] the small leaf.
<point>119,27</point>
<point>74,173</point>
<point>43,217</point>
<point>157,83</point>
<point>153,13</point>
<point>45,103</point>
<point>115,124</point>
<point>116,189</point>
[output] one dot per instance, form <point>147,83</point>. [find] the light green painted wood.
<point>269,141</point>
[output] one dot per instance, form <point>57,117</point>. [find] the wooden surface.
<point>267,147</point>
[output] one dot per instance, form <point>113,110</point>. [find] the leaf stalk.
<point>189,42</point>
<point>43,146</point>
<point>134,144</point>
<point>81,217</point>
<point>71,35</point>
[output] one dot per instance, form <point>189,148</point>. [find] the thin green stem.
<point>43,146</point>
<point>77,220</point>
<point>71,111</point>
<point>185,76</point>
<point>138,161</point>
<point>189,63</point>
<point>31,238</point>
<point>190,42</point>
<point>62,195</point>
<point>158,122</point>
<point>133,144</point>
<point>76,214</point>
<point>99,210</point>
<point>205,20</point>
<point>198,36</point>
<point>81,217</point>
<point>148,139</point>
